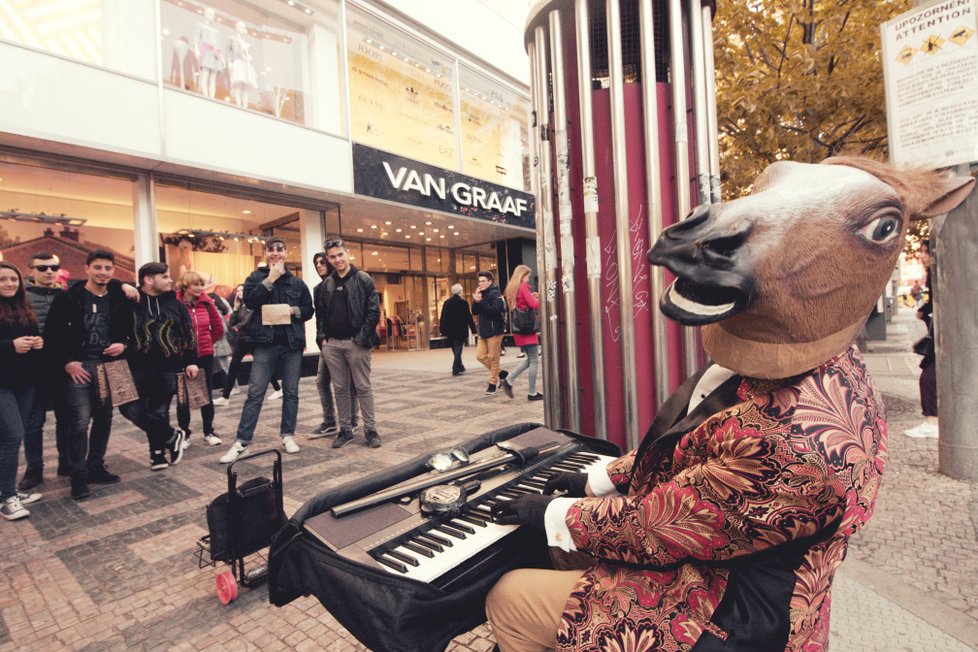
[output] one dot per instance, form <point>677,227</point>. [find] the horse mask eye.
<point>882,229</point>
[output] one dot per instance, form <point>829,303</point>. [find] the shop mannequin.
<point>243,78</point>
<point>208,49</point>
<point>180,50</point>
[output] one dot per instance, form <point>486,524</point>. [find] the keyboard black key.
<point>401,556</point>
<point>418,548</point>
<point>390,563</point>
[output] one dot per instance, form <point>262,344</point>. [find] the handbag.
<point>924,346</point>
<point>223,347</point>
<point>524,321</point>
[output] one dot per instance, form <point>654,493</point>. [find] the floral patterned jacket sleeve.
<point>742,482</point>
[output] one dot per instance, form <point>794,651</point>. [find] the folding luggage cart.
<point>240,523</point>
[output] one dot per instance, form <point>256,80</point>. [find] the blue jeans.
<point>15,406</point>
<point>266,357</point>
<point>83,407</point>
<point>47,394</point>
<point>531,362</point>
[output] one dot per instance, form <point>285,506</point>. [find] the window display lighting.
<point>42,217</point>
<point>298,6</point>
<point>223,235</point>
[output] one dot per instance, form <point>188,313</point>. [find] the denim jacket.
<point>288,289</point>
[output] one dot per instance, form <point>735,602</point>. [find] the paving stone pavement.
<point>117,571</point>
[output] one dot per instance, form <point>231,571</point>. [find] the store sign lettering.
<point>463,193</point>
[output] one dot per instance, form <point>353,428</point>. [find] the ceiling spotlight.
<point>427,239</point>
<point>407,236</point>
<point>398,230</point>
<point>360,230</point>
<point>427,223</point>
<point>388,222</point>
<point>450,227</point>
<point>413,227</point>
<point>246,212</point>
<point>373,226</point>
<point>435,230</point>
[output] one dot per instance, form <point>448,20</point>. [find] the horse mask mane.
<point>783,279</point>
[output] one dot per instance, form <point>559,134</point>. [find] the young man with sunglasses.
<point>347,312</point>
<point>281,303</point>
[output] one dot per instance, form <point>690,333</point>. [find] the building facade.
<point>190,131</point>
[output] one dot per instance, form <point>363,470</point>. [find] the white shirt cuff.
<point>554,519</point>
<point>601,485</point>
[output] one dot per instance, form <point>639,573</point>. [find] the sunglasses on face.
<point>275,247</point>
<point>329,244</point>
<point>44,268</point>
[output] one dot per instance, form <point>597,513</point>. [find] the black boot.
<point>32,477</point>
<point>79,485</point>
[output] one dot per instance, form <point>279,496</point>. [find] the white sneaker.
<point>220,400</point>
<point>212,440</point>
<point>288,443</point>
<point>923,431</point>
<point>27,499</point>
<point>237,448</point>
<point>186,443</point>
<point>274,396</point>
<point>13,510</point>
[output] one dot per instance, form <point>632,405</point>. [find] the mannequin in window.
<point>208,49</point>
<point>243,78</point>
<point>178,68</point>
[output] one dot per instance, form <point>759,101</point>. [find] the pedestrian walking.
<point>328,425</point>
<point>240,314</point>
<point>347,313</point>
<point>490,308</point>
<point>90,323</point>
<point>456,323</point>
<point>164,345</point>
<point>20,348</point>
<point>208,329</point>
<point>519,294</point>
<point>281,303</point>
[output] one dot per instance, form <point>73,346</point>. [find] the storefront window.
<point>223,237</point>
<point>107,33</point>
<point>65,214</point>
<point>401,93</point>
<point>252,55</point>
<point>495,139</point>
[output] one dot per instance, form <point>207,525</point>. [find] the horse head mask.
<point>783,279</point>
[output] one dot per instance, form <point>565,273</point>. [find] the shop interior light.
<point>298,6</point>
<point>42,217</point>
<point>221,235</point>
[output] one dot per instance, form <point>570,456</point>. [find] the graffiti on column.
<point>640,268</point>
<point>612,313</point>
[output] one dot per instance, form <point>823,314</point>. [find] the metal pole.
<point>622,223</point>
<point>565,219</point>
<point>653,183</point>
<point>699,101</point>
<point>678,69</point>
<point>713,129</point>
<point>545,223</point>
<point>590,192</point>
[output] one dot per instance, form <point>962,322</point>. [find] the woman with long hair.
<point>209,328</point>
<point>20,345</point>
<point>519,295</point>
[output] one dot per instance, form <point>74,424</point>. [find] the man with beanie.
<point>164,344</point>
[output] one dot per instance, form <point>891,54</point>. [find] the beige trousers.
<point>487,352</point>
<point>524,608</point>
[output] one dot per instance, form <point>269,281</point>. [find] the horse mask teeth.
<point>736,262</point>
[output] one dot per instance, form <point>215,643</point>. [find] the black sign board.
<point>395,178</point>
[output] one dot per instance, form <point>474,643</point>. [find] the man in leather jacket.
<point>347,312</point>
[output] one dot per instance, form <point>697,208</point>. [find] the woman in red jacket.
<point>519,295</point>
<point>210,328</point>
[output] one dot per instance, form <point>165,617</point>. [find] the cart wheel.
<point>227,587</point>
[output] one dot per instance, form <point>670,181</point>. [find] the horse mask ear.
<point>949,192</point>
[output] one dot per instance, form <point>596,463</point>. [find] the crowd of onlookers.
<point>98,344</point>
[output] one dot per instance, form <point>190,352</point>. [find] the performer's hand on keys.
<point>525,510</point>
<point>573,485</point>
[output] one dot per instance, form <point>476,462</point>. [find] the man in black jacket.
<point>164,344</point>
<point>90,323</point>
<point>282,304</point>
<point>347,312</point>
<point>456,323</point>
<point>491,309</point>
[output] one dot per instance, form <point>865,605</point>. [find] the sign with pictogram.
<point>930,70</point>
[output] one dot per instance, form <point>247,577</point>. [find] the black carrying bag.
<point>524,321</point>
<point>258,519</point>
<point>383,611</point>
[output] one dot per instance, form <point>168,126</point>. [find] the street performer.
<point>723,530</point>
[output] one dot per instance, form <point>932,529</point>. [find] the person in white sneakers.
<point>928,428</point>
<point>281,303</point>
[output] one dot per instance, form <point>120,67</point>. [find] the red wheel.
<point>227,587</point>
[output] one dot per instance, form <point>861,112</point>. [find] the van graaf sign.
<point>387,176</point>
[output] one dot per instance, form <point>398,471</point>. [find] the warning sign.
<point>930,66</point>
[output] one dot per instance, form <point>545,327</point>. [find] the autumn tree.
<point>799,80</point>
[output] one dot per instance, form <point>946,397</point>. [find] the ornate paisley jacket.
<point>730,531</point>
